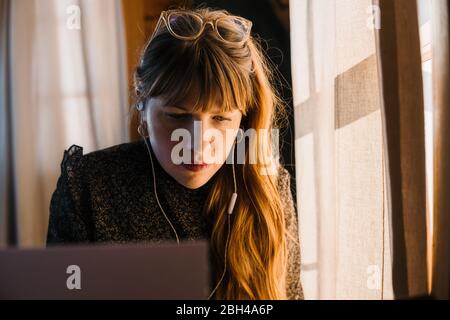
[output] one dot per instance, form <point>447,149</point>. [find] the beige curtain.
<point>441,84</point>
<point>6,185</point>
<point>350,228</point>
<point>404,136</point>
<point>68,86</point>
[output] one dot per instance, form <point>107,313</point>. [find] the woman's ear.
<point>143,123</point>
<point>145,116</point>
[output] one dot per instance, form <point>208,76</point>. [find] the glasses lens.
<point>233,29</point>
<point>185,25</point>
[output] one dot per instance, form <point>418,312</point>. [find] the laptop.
<point>163,271</point>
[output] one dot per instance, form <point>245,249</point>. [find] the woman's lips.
<point>195,167</point>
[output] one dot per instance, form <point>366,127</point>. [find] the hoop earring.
<point>142,129</point>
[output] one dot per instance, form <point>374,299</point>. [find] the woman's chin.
<point>190,179</point>
<point>193,177</point>
<point>193,183</point>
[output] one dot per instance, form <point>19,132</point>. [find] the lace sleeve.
<point>68,221</point>
<point>294,289</point>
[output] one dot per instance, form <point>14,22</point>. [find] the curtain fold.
<point>441,87</point>
<point>360,150</point>
<point>7,221</point>
<point>68,86</point>
<point>404,142</point>
<point>339,160</point>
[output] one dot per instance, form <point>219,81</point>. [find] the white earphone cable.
<point>225,259</point>
<point>156,193</point>
<point>229,211</point>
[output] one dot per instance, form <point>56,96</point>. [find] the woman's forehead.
<point>190,104</point>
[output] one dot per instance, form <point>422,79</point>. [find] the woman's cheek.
<point>165,128</point>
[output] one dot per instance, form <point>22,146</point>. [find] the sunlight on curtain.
<point>424,7</point>
<point>69,87</point>
<point>440,14</point>
<point>342,211</point>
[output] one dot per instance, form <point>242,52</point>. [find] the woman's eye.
<point>221,119</point>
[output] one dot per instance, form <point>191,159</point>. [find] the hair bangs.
<point>206,78</point>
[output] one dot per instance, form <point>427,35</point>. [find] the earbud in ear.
<point>140,106</point>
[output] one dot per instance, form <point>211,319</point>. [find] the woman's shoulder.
<point>283,181</point>
<point>293,283</point>
<point>118,157</point>
<point>119,151</point>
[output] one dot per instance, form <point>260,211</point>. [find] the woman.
<point>202,72</point>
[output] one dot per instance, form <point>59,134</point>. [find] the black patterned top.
<point>107,196</point>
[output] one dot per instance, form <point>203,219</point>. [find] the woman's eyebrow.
<point>215,111</point>
<point>177,107</point>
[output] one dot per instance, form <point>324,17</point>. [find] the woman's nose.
<point>199,132</point>
<point>201,142</point>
